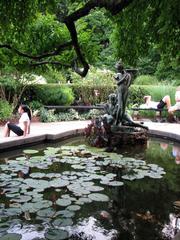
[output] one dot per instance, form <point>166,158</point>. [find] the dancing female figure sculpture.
<point>123,82</point>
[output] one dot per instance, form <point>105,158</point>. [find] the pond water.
<point>72,191</point>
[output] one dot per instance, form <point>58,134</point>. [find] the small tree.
<point>12,86</point>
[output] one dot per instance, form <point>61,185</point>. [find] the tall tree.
<point>140,24</point>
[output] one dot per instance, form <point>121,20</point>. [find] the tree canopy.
<point>74,33</point>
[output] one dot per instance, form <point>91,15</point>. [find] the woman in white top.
<point>23,128</point>
<point>177,99</point>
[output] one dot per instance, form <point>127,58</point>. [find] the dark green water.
<point>140,209</point>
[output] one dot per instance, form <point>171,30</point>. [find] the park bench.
<point>159,112</point>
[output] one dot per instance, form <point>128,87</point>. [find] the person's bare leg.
<point>6,131</point>
<point>167,100</point>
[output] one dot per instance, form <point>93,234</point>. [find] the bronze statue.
<point>111,109</point>
<point>123,82</point>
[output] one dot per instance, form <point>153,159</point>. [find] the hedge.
<point>67,94</point>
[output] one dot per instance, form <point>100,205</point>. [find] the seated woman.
<point>177,104</point>
<point>165,101</point>
<point>23,128</point>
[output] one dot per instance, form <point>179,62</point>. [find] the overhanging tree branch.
<point>72,29</point>
<point>56,52</point>
<point>49,62</point>
<point>114,6</point>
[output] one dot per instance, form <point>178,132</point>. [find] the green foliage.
<point>136,94</point>
<point>146,34</point>
<point>70,115</point>
<point>86,94</point>
<point>146,80</point>
<point>13,85</point>
<point>5,110</point>
<point>45,33</point>
<point>53,94</point>
<point>35,105</point>
<point>157,92</point>
<point>47,116</point>
<point>95,76</point>
<point>54,76</point>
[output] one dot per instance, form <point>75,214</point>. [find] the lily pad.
<point>30,151</point>
<point>11,236</point>
<point>62,222</point>
<point>115,183</point>
<point>73,208</point>
<point>98,197</point>
<point>37,175</point>
<point>48,212</point>
<point>56,234</point>
<point>63,202</point>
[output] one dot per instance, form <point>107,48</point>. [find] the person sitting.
<point>176,107</point>
<point>23,128</point>
<point>165,101</point>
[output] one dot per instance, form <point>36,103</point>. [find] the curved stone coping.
<point>42,132</point>
<point>168,131</point>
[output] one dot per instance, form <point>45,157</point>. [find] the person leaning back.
<point>23,127</point>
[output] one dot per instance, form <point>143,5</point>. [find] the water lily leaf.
<point>80,167</point>
<point>11,236</point>
<point>65,214</point>
<point>83,200</point>
<point>87,184</point>
<point>30,151</point>
<point>3,227</point>
<point>48,212</point>
<point>155,175</point>
<point>56,234</point>
<point>22,199</point>
<point>13,211</point>
<point>73,208</point>
<point>63,202</point>
<point>62,222</point>
<point>94,188</point>
<point>23,159</point>
<point>98,197</point>
<point>115,183</point>
<point>59,183</point>
<point>37,175</point>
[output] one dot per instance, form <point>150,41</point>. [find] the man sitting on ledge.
<point>165,101</point>
<point>177,104</point>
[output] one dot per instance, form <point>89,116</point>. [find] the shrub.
<point>95,76</point>
<point>146,80</point>
<point>47,116</point>
<point>5,110</point>
<point>35,105</point>
<point>87,94</point>
<point>136,94</point>
<point>51,94</point>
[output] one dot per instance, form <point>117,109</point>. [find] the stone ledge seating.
<point>159,111</point>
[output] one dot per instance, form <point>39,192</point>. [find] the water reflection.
<point>171,229</point>
<point>175,150</point>
<point>176,153</point>
<point>91,228</point>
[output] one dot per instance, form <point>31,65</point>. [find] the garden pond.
<point>72,191</point>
